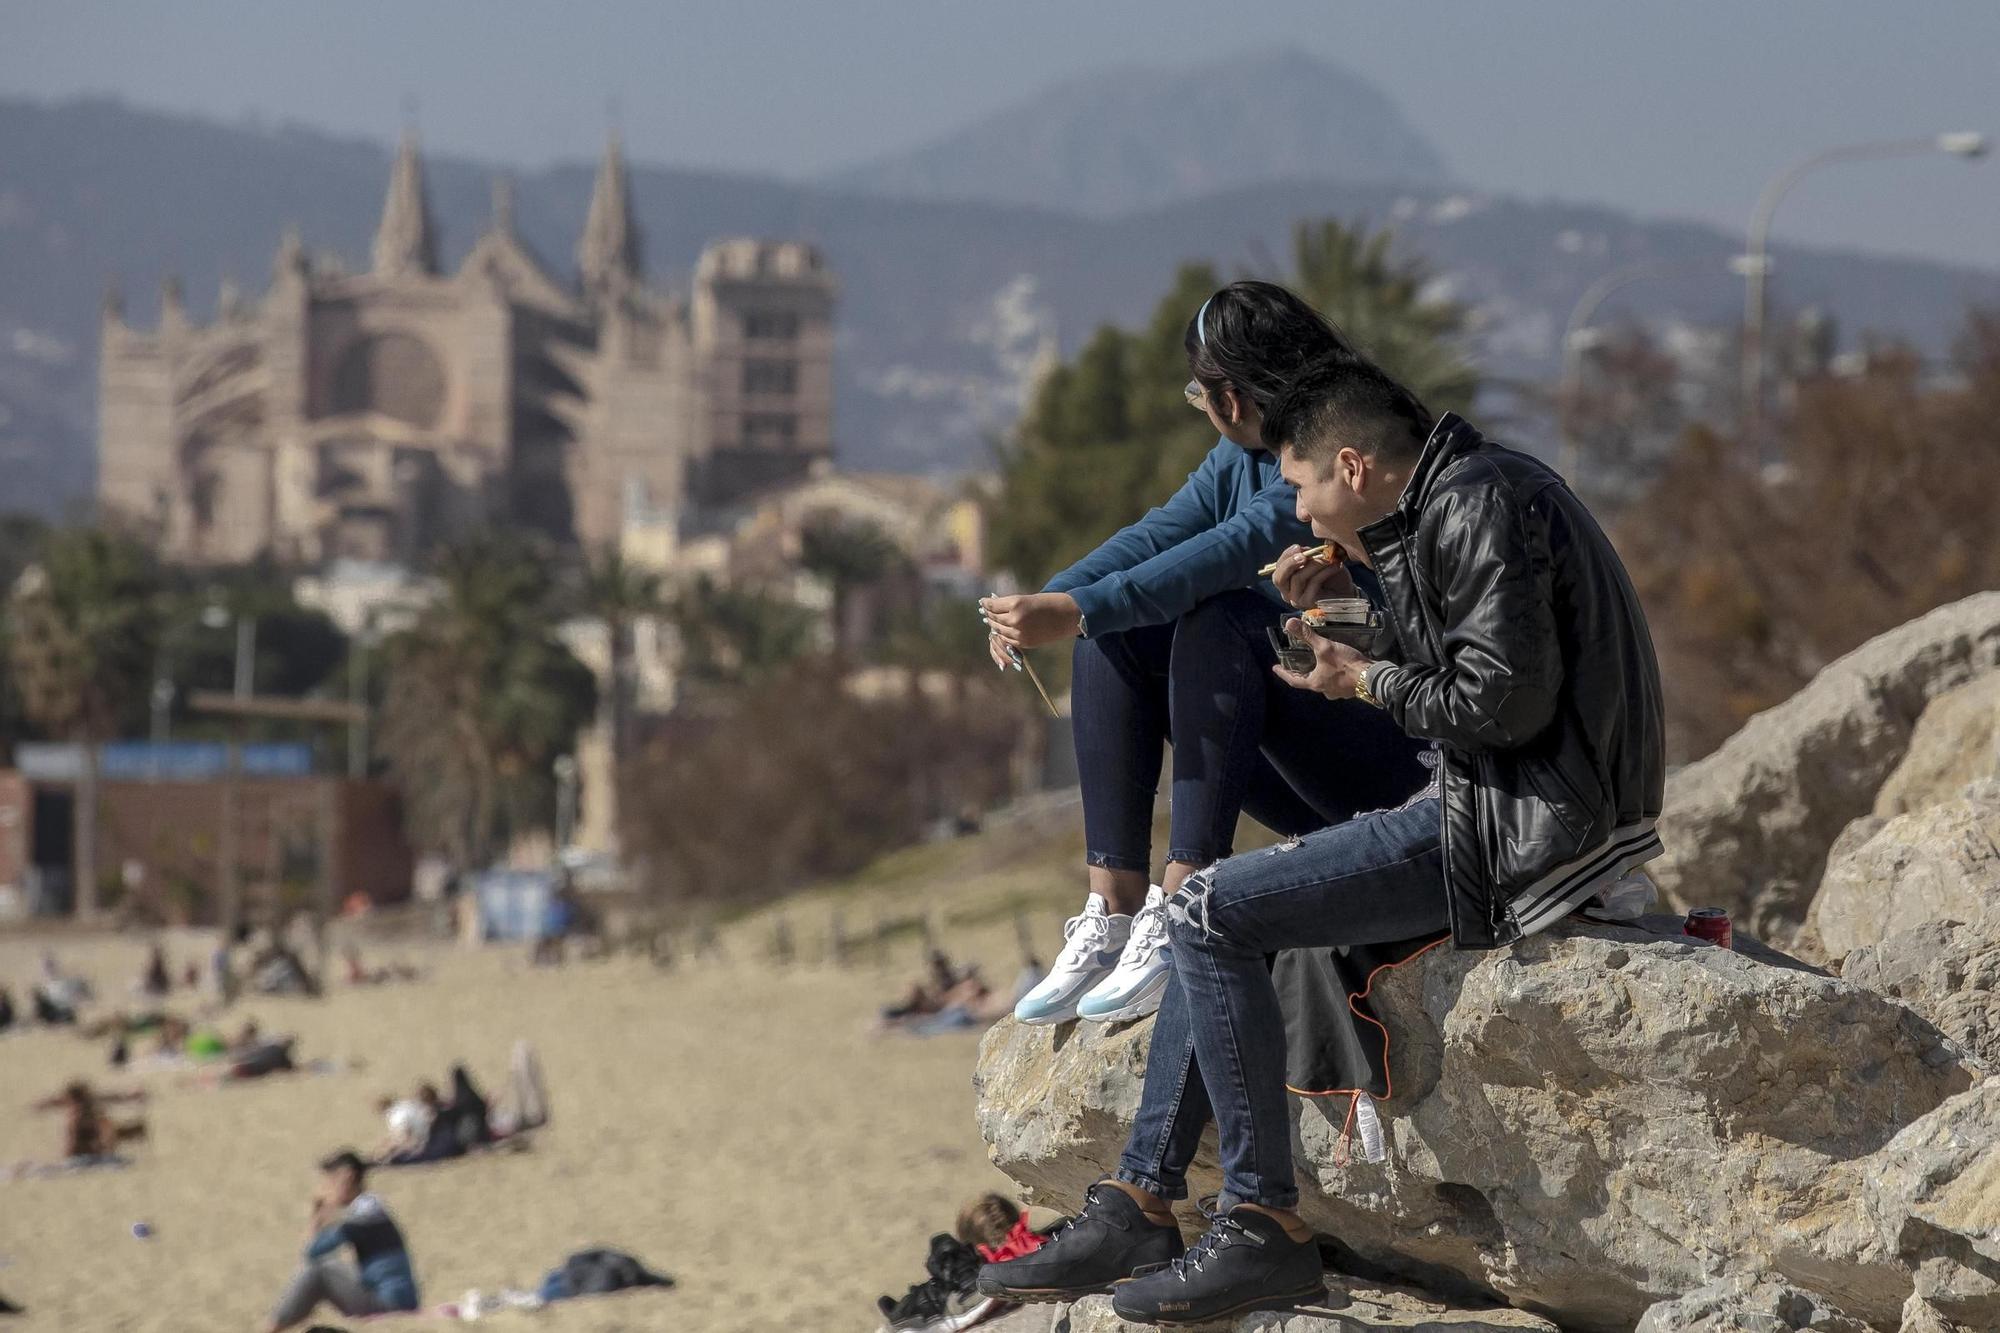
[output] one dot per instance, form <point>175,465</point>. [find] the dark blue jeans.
<point>1242,739</point>
<point>1219,1041</point>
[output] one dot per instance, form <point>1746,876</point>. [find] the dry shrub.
<point>1884,506</point>
<point>800,780</point>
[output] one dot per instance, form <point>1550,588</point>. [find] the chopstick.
<point>1326,554</point>
<point>1020,660</point>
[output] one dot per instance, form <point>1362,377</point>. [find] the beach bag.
<point>594,1272</point>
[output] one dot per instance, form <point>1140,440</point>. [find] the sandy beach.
<point>733,1124</point>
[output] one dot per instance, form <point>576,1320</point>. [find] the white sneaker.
<point>1093,942</point>
<point>1135,986</point>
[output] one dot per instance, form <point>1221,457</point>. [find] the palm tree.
<point>481,698</point>
<point>848,555</point>
<point>734,636</point>
<point>618,593</point>
<point>84,634</point>
<point>1381,305</point>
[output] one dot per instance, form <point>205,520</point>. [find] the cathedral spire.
<point>405,242</point>
<point>608,254</point>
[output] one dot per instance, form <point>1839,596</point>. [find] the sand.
<point>734,1125</point>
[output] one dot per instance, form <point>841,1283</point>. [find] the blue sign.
<point>173,761</point>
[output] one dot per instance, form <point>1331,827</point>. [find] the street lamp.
<point>566,775</point>
<point>217,616</point>
<point>1576,340</point>
<point>364,641</point>
<point>1755,265</point>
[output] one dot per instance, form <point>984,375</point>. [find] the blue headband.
<point>1199,331</point>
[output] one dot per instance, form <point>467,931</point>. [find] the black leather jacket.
<point>1522,650</point>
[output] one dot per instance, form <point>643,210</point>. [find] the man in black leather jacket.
<point>1515,643</point>
<point>1519,648</point>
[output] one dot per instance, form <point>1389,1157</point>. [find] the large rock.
<point>1751,1304</point>
<point>1592,1121</point>
<point>1934,1196</point>
<point>1351,1306</point>
<point>1956,741</point>
<point>1748,827</point>
<point>1938,863</point>
<point>1948,971</point>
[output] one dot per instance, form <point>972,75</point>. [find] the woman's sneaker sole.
<point>1147,1001</point>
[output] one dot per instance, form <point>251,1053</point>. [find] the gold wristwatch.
<point>1361,690</point>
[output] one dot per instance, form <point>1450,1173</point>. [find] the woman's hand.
<point>1302,580</point>
<point>1029,620</point>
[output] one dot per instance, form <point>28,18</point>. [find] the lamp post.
<point>566,773</point>
<point>218,616</point>
<point>1755,265</point>
<point>1575,340</point>
<point>357,696</point>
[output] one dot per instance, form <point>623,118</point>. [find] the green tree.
<point>1349,275</point>
<point>84,633</point>
<point>735,636</point>
<point>481,698</point>
<point>1103,438</point>
<point>1107,435</point>
<point>848,556</point>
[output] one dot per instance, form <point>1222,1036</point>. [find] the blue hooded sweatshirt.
<point>1232,516</point>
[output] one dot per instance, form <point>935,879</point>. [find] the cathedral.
<point>363,416</point>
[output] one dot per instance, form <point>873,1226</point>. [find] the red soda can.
<point>1711,924</point>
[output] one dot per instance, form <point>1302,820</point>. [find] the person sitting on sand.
<point>58,996</point>
<point>156,981</point>
<point>89,1133</point>
<point>6,1009</point>
<point>379,1281</point>
<point>995,1226</point>
<point>930,994</point>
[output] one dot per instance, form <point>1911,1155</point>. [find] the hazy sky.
<point>1679,107</point>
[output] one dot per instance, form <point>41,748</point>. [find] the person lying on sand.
<point>358,974</point>
<point>380,1279</point>
<point>433,1129</point>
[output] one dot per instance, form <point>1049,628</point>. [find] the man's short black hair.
<point>347,1159</point>
<point>1348,401</point>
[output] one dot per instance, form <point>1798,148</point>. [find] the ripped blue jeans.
<point>1219,1041</point>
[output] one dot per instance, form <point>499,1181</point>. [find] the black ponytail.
<point>1254,337</point>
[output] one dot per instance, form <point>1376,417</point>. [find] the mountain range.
<point>1122,141</point>
<point>946,301</point>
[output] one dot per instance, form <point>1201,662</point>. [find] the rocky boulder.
<point>1748,827</point>
<point>1755,1304</point>
<point>1350,1307</point>
<point>1934,1195</point>
<point>1956,741</point>
<point>1885,876</point>
<point>1948,971</point>
<point>1592,1121</point>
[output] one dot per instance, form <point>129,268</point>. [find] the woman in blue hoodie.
<point>1169,617</point>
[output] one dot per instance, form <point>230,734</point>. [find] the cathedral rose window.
<point>391,373</point>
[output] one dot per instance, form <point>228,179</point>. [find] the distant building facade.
<point>363,416</point>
